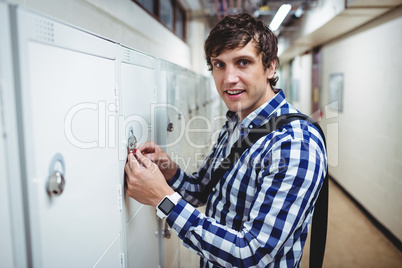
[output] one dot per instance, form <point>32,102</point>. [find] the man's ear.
<point>271,70</point>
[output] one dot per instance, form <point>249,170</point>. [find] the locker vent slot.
<point>127,55</point>
<point>44,30</point>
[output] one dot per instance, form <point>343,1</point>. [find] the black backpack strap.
<point>320,216</point>
<point>319,225</point>
<point>235,152</point>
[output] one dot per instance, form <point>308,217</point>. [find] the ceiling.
<point>319,22</point>
<point>213,10</point>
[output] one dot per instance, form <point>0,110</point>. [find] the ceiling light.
<point>279,16</point>
<point>299,12</point>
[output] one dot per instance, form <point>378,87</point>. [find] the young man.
<point>258,214</point>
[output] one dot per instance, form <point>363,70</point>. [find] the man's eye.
<point>218,64</point>
<point>244,62</point>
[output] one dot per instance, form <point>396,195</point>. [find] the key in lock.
<point>132,143</point>
<point>56,182</point>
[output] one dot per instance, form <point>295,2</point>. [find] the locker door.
<point>12,242</point>
<point>174,111</point>
<point>66,99</point>
<point>187,103</point>
<point>138,86</point>
<point>169,240</point>
<point>6,243</point>
<point>200,126</point>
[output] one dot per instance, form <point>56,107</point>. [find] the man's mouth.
<point>234,92</point>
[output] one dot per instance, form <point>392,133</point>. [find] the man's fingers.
<point>143,160</point>
<point>127,167</point>
<point>146,162</point>
<point>147,147</point>
<point>132,162</point>
<point>151,157</point>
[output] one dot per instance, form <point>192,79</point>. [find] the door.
<point>69,158</point>
<point>316,112</point>
<point>12,229</point>
<point>174,132</point>
<point>138,87</point>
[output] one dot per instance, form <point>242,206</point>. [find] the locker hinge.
<point>119,197</point>
<point>122,261</point>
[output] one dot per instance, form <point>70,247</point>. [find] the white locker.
<point>175,114</point>
<point>138,90</point>
<point>67,100</point>
<point>64,124</point>
<point>6,252</point>
<point>170,243</point>
<point>6,249</point>
<point>201,124</point>
<point>207,113</point>
<point>186,103</point>
<point>13,250</point>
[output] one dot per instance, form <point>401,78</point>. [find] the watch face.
<point>166,206</point>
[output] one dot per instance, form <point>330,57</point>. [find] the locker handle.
<point>56,182</point>
<point>170,127</point>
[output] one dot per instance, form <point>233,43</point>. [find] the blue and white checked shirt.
<point>259,213</point>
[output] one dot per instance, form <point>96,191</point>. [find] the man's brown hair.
<point>237,31</point>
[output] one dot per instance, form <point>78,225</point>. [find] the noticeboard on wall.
<point>336,92</point>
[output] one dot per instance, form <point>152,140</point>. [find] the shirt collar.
<point>232,120</point>
<point>261,115</point>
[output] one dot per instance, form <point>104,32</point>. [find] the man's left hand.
<point>145,182</point>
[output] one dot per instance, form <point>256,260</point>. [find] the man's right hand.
<point>155,153</point>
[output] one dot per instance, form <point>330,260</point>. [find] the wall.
<point>120,20</point>
<point>363,140</point>
<point>295,81</point>
<point>300,87</point>
<point>196,36</point>
<point>323,12</point>
<point>367,158</point>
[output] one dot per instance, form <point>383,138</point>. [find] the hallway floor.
<point>352,240</point>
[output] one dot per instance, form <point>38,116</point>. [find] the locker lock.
<point>132,142</point>
<point>170,127</point>
<point>55,185</point>
<point>55,182</point>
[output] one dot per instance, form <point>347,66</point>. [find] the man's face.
<point>241,80</point>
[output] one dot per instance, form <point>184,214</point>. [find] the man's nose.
<point>231,75</point>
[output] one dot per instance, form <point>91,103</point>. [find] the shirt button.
<point>214,190</point>
<point>250,126</point>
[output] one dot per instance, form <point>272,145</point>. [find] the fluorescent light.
<point>299,12</point>
<point>279,16</point>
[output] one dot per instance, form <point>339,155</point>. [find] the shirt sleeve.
<point>287,186</point>
<point>188,186</point>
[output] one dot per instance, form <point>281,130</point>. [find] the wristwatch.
<point>167,204</point>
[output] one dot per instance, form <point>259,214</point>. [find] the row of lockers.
<point>70,100</point>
